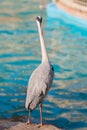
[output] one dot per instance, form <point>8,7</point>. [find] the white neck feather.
<point>45,57</point>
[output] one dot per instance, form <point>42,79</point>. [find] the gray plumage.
<point>42,77</point>
<point>39,84</point>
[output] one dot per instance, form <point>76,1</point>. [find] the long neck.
<point>43,47</point>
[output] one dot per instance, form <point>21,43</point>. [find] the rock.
<point>12,125</point>
<point>5,124</point>
<point>22,126</point>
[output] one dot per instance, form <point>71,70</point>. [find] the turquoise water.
<point>66,103</point>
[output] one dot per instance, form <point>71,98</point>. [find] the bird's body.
<point>41,78</point>
<point>39,84</point>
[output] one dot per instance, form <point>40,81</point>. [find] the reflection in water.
<point>66,104</point>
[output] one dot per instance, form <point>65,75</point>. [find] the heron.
<point>40,80</point>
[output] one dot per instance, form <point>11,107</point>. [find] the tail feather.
<point>27,105</point>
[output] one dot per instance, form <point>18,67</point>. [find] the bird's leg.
<point>28,122</point>
<point>40,116</point>
<point>41,113</point>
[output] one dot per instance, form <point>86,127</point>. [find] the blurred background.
<point>66,41</point>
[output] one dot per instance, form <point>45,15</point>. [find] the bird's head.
<point>39,19</point>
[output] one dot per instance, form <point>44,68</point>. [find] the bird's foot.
<point>39,125</point>
<point>28,123</point>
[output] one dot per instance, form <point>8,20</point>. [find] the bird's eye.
<point>39,19</point>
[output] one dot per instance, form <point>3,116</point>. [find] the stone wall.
<point>80,5</point>
<point>81,2</point>
<point>72,7</point>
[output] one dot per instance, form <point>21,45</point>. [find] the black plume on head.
<point>39,19</point>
